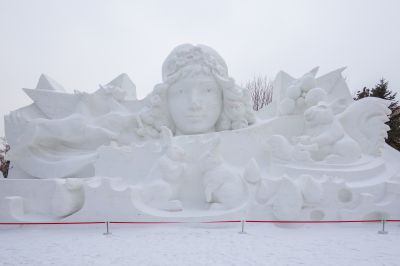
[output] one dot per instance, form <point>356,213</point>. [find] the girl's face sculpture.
<point>195,104</point>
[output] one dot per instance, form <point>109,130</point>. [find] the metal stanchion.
<point>383,232</point>
<point>243,223</point>
<point>108,229</point>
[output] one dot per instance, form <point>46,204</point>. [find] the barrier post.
<point>383,232</point>
<point>107,228</point>
<point>242,224</point>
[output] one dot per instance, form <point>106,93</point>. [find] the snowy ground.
<point>264,244</point>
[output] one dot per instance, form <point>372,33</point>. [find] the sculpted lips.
<point>195,117</point>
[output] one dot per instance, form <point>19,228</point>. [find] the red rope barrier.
<point>320,222</point>
<point>203,222</point>
<point>314,222</point>
<point>44,223</point>
<point>147,222</point>
<point>176,222</point>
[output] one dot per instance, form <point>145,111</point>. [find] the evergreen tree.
<point>381,90</point>
<point>4,164</point>
<point>365,92</point>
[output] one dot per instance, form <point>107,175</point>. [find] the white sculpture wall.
<point>194,149</point>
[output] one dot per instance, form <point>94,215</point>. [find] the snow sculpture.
<point>252,172</point>
<point>224,188</point>
<point>301,93</point>
<point>288,201</point>
<point>193,149</point>
<point>331,142</point>
<point>218,186</point>
<point>163,193</point>
<point>196,96</point>
<point>68,197</point>
<point>312,190</point>
<point>59,139</point>
<point>327,138</point>
<point>328,135</point>
<point>289,198</point>
<point>58,135</point>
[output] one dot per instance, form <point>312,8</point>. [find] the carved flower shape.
<point>193,55</point>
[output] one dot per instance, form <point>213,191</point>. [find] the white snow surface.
<point>263,244</point>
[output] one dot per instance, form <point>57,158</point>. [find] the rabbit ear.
<point>313,72</point>
<point>212,155</point>
<point>166,136</point>
<point>211,146</point>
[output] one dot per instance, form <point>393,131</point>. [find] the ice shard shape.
<point>47,83</point>
<point>125,83</point>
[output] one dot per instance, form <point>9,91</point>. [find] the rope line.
<point>203,222</point>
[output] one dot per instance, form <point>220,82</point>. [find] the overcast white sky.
<point>83,43</point>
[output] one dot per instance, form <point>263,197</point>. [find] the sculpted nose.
<point>195,105</point>
<point>194,102</point>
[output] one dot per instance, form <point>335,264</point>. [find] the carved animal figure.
<point>224,188</point>
<point>323,129</point>
<point>162,193</point>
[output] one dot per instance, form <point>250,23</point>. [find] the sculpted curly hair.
<point>187,61</point>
